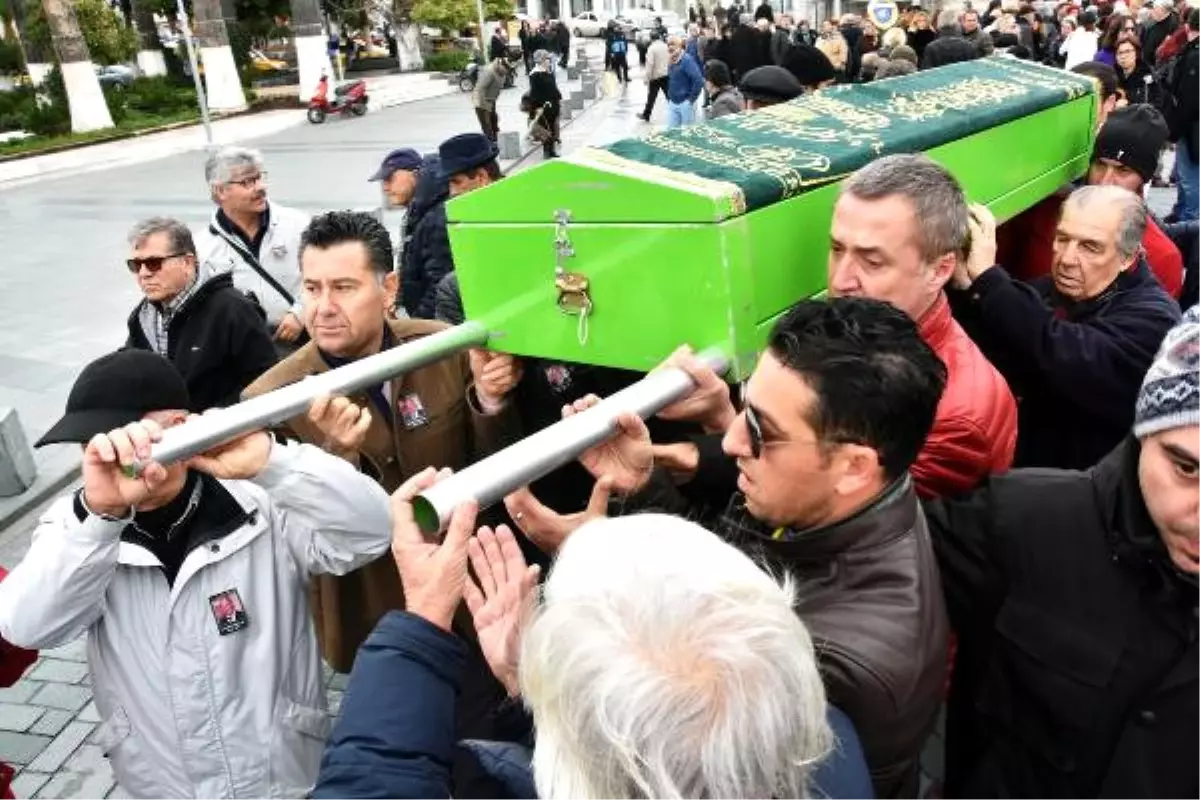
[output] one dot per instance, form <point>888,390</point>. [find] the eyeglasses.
<point>249,181</point>
<point>152,263</point>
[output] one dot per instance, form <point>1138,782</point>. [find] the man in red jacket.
<point>13,663</point>
<point>899,229</point>
<point>1126,155</point>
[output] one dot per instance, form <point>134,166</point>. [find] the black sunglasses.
<point>152,263</point>
<point>755,431</point>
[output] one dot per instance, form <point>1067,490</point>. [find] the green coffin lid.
<point>747,161</point>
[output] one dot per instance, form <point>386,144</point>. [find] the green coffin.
<point>706,234</point>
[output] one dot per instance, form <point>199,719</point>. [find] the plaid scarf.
<point>156,318</point>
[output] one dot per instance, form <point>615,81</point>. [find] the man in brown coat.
<point>447,414</point>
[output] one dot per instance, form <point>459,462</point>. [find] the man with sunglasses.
<point>833,417</point>
<point>257,240</point>
<point>192,315</point>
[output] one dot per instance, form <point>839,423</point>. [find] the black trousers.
<point>489,122</point>
<point>621,66</point>
<point>657,85</point>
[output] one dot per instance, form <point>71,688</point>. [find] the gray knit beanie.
<point>1170,395</point>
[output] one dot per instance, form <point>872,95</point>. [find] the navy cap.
<point>405,158</point>
<point>466,152</point>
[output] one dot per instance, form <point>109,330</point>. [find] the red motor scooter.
<point>349,98</point>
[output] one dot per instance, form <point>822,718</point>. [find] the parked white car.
<point>589,23</point>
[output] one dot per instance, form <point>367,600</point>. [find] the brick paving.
<point>48,719</point>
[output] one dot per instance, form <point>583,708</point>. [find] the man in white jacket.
<point>258,241</point>
<point>191,582</point>
<point>658,64</point>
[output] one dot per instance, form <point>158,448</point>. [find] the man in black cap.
<point>191,583</point>
<point>398,175</point>
<point>769,86</point>
<point>466,161</point>
<point>809,66</point>
<point>416,183</point>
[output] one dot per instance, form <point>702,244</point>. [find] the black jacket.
<point>1077,668</point>
<point>1186,236</point>
<point>426,259</point>
<point>217,341</point>
<point>1155,34</point>
<point>1139,86</point>
<point>1076,368</point>
<point>950,47</point>
<point>1185,86</point>
<point>543,88</point>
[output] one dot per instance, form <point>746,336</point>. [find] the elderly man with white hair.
<point>660,676</point>
<point>255,239</point>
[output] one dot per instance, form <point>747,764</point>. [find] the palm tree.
<point>150,55</point>
<point>312,58</point>
<point>221,81</point>
<point>89,111</point>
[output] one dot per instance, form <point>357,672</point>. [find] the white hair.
<point>1131,226</point>
<point>221,165</point>
<point>664,662</point>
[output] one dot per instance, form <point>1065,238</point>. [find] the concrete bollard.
<point>577,101</point>
<point>589,90</point>
<point>572,72</point>
<point>17,467</point>
<point>564,111</point>
<point>510,145</point>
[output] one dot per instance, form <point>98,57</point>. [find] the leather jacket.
<point>869,593</point>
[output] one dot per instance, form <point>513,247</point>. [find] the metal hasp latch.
<point>572,287</point>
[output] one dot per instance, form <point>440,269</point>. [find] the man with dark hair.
<point>832,418</point>
<point>192,315</point>
<point>809,66</point>
<point>1106,77</point>
<point>724,99</point>
<point>447,413</point>
<point>974,34</point>
<point>769,86</point>
<point>465,162</point>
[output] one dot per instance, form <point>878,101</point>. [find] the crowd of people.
<point>966,480</point>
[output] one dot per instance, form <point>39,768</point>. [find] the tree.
<point>109,39</point>
<point>454,15</point>
<point>89,111</point>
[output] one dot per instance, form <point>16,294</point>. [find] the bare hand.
<point>107,489</point>
<point>501,601</point>
<point>709,403</point>
<point>343,424</point>
<point>982,225</point>
<point>289,329</point>
<point>433,575</point>
<point>626,457</point>
<point>681,459</point>
<point>495,376</point>
<point>238,459</point>
<point>544,526</point>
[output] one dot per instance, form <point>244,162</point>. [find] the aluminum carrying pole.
<point>489,480</point>
<point>203,432</point>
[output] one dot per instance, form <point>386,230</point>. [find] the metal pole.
<point>191,52</point>
<point>489,480</point>
<point>203,432</point>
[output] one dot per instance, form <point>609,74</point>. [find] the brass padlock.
<point>573,297</point>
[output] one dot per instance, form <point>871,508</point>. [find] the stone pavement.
<point>64,291</point>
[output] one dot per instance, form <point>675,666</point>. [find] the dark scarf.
<point>375,393</point>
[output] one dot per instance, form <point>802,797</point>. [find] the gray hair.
<point>663,676</point>
<point>1132,225</point>
<point>948,18</point>
<point>893,37</point>
<point>938,203</point>
<point>221,165</point>
<point>179,234</point>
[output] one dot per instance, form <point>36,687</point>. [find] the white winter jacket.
<point>279,256</point>
<point>187,711</point>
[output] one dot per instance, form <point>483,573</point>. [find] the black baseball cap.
<point>405,158</point>
<point>115,390</point>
